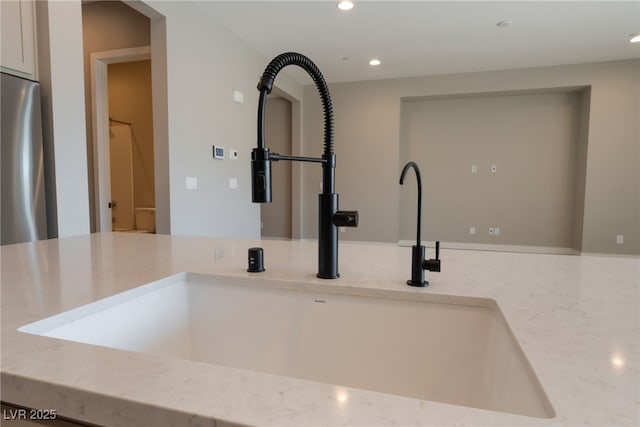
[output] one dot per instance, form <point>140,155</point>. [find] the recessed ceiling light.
<point>345,5</point>
<point>503,24</point>
<point>374,62</point>
<point>634,38</point>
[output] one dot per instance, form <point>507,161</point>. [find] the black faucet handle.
<point>345,219</point>
<point>433,264</point>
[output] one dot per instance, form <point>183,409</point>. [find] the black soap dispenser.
<point>256,260</point>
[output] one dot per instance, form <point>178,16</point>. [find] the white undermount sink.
<point>461,351</point>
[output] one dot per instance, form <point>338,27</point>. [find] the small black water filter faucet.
<point>329,217</point>
<point>418,261</point>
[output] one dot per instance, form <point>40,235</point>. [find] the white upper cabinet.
<point>18,54</point>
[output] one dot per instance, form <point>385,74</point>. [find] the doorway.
<point>117,36</point>
<point>276,216</point>
<point>131,146</point>
<point>123,135</point>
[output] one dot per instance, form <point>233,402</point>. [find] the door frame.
<point>100,113</point>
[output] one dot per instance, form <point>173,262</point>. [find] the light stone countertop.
<point>576,318</point>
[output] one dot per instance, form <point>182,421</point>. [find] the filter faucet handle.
<point>433,264</point>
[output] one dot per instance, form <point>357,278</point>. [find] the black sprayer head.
<point>260,176</point>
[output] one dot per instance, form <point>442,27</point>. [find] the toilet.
<point>145,220</point>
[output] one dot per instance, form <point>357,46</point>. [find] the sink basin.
<point>447,349</point>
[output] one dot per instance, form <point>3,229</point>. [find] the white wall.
<point>66,83</point>
<point>205,64</point>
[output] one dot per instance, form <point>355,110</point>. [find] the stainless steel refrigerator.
<point>23,180</point>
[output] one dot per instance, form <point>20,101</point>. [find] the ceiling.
<point>417,38</point>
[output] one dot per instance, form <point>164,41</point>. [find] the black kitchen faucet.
<point>330,218</point>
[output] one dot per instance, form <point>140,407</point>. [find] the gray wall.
<point>531,139</point>
<point>368,141</point>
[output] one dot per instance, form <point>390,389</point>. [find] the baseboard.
<point>497,248</point>
<point>611,255</point>
<point>284,239</point>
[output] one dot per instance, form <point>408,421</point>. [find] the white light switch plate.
<point>233,183</point>
<point>191,183</point>
<point>238,97</point>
